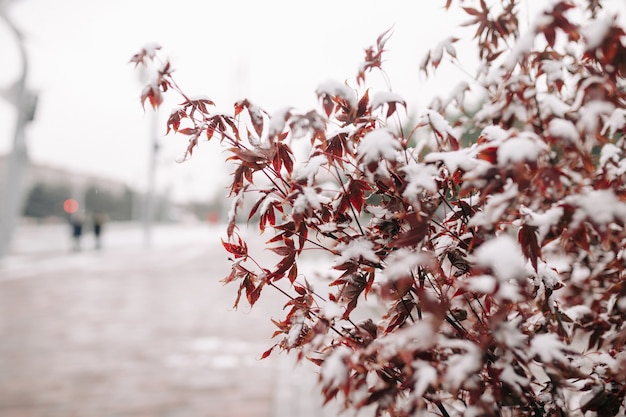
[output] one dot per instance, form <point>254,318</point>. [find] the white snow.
<point>550,104</point>
<point>355,250</point>
<point>385,97</point>
<point>578,312</point>
<point>331,310</point>
<point>494,133</point>
<point>525,147</point>
<point>402,262</point>
<point>611,153</point>
<point>553,70</point>
<point>308,198</point>
<point>438,123</point>
<point>425,376</point>
<point>463,365</point>
<point>338,89</point>
<point>309,170</point>
<point>377,144</point>
<point>616,122</point>
<point>548,348</point>
<point>278,120</point>
<point>420,177</point>
<point>591,114</point>
<point>508,333</point>
<point>445,45</point>
<point>297,324</point>
<point>485,284</point>
<point>544,221</point>
<point>495,207</point>
<point>564,129</point>
<point>418,336</point>
<point>266,204</point>
<point>548,275</point>
<point>503,255</point>
<point>599,206</point>
<point>453,160</point>
<point>334,373</point>
<point>595,33</point>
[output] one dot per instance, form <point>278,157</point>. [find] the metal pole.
<point>17,160</point>
<point>149,205</point>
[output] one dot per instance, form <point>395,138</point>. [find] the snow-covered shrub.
<point>479,281</point>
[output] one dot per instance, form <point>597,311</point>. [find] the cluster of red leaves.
<point>463,280</point>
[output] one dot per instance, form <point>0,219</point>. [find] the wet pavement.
<point>133,332</point>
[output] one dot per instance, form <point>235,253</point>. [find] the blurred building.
<point>48,187</point>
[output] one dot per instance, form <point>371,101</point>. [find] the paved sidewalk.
<point>131,332</point>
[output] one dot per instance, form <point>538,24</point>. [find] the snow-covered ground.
<point>134,330</point>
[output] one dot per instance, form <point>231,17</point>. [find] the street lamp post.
<point>17,160</point>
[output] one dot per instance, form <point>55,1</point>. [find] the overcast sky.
<point>273,52</point>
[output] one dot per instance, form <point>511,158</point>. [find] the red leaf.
<point>267,352</point>
<point>356,191</point>
<point>238,250</point>
<point>362,108</point>
<point>527,237</point>
<point>411,237</point>
<point>328,105</point>
<point>293,273</point>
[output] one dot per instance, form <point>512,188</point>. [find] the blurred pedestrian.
<point>98,221</point>
<point>76,222</point>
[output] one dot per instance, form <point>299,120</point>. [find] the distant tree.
<point>46,200</point>
<point>496,269</point>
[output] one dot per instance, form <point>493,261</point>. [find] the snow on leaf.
<point>508,334</point>
<point>552,105</point>
<point>310,169</point>
<point>436,54</point>
<point>615,123</point>
<point>609,153</point>
<point>331,310</point>
<point>334,372</point>
<point>591,114</point>
<point>495,207</point>
<point>485,284</point>
<point>377,144</point>
<point>548,348</point>
<point>544,221</point>
<point>453,160</point>
<point>563,129</point>
<point>549,276</point>
<point>420,178</point>
<point>425,376</point>
<point>463,365</point>
<point>295,331</point>
<point>438,123</point>
<point>503,256</point>
<point>599,206</point>
<point>494,133</point>
<point>308,199</point>
<point>417,336</point>
<point>553,70</point>
<point>400,263</point>
<point>337,89</point>
<point>356,250</point>
<point>525,147</point>
<point>386,97</point>
<point>278,120</point>
<point>596,32</point>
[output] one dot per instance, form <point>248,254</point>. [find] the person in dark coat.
<point>98,222</point>
<point>76,221</point>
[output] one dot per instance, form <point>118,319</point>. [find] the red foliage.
<point>466,277</point>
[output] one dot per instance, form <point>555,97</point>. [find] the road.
<point>130,331</point>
